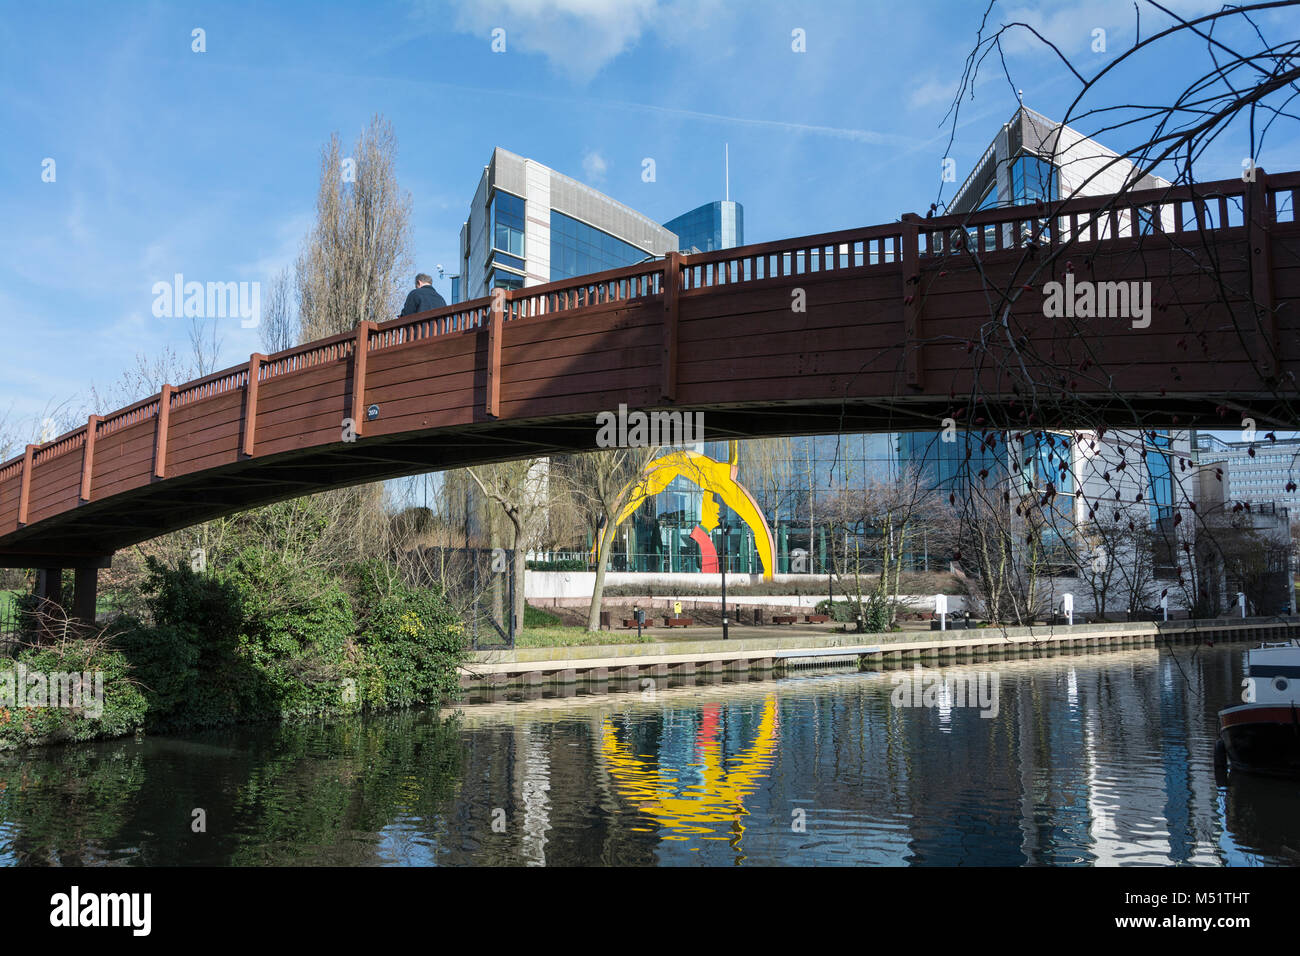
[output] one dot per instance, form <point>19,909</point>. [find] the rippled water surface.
<point>1096,759</point>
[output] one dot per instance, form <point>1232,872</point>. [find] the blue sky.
<point>206,164</point>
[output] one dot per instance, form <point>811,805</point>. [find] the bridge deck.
<point>890,327</point>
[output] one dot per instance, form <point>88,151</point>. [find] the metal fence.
<point>479,583</point>
<point>10,623</point>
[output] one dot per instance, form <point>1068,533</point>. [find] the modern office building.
<point>1259,471</point>
<point>529,225</point>
<point>713,226</point>
<point>1033,158</point>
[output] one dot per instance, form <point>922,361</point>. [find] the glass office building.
<point>529,225</point>
<point>713,226</point>
<point>578,249</point>
<point>1031,159</point>
<point>1261,471</point>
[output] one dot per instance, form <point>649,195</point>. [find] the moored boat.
<point>1262,735</point>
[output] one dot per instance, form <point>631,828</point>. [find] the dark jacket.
<point>422,300</point>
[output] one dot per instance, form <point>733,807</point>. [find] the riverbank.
<point>766,650</point>
<point>255,640</point>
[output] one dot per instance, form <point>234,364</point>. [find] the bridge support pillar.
<point>85,594</point>
<point>49,585</point>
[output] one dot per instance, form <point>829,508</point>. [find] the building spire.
<point>726,166</point>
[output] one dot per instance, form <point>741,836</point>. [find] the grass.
<point>7,598</point>
<point>560,636</point>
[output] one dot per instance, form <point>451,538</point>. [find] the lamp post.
<point>726,531</point>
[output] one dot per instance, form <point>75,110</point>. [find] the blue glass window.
<point>1032,180</point>
<point>500,279</point>
<point>501,259</point>
<point>1160,473</point>
<point>578,249</point>
<point>508,223</point>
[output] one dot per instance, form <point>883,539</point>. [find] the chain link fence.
<point>479,584</point>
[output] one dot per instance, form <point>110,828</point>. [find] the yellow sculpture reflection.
<point>685,810</point>
<point>714,478</point>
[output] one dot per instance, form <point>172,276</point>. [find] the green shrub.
<point>413,636</point>
<point>536,617</point>
<point>187,660</point>
<point>260,637</point>
<point>562,564</point>
<point>842,611</point>
<point>296,632</point>
<point>123,703</point>
<point>875,613</point>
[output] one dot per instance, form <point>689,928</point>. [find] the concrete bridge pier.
<point>49,585</point>
<point>85,594</point>
<point>49,581</point>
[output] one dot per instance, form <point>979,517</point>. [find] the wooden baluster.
<point>25,486</point>
<point>160,433</point>
<point>250,405</point>
<point>360,351</point>
<point>88,458</point>
<point>671,280</point>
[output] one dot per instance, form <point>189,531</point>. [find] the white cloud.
<point>933,92</point>
<point>578,37</point>
<point>594,166</point>
<point>1070,26</point>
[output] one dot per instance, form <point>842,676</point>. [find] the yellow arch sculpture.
<point>714,478</point>
<point>686,811</point>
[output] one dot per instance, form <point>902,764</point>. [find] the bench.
<point>783,618</point>
<point>678,621</point>
<point>630,622</point>
<point>816,618</point>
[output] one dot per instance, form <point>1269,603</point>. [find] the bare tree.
<point>280,325</point>
<point>357,257</point>
<point>519,491</point>
<point>1242,90</point>
<point>601,484</point>
<point>870,529</point>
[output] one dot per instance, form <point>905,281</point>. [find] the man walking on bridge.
<point>423,297</point>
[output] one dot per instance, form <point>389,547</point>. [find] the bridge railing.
<point>849,249</point>
<point>299,358</point>
<point>614,285</point>
<point>1178,211</point>
<point>59,446</point>
<point>141,411</point>
<point>210,386</point>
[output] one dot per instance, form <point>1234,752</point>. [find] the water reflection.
<point>685,789</point>
<point>1091,759</point>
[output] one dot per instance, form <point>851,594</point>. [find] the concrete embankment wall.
<point>596,664</point>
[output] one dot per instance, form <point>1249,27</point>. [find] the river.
<point>1094,759</point>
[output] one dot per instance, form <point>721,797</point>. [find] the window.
<point>1161,473</point>
<point>508,223</point>
<point>578,249</point>
<point>501,279</point>
<point>511,262</point>
<point>1032,180</point>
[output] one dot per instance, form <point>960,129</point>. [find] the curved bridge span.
<point>890,327</point>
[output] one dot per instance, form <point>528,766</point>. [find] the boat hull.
<point>1262,738</point>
